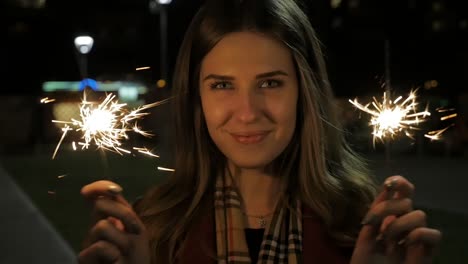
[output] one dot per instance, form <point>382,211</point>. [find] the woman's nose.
<point>248,107</point>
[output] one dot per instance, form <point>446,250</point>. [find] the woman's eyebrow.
<point>270,74</point>
<point>258,76</point>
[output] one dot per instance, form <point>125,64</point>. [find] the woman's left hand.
<point>392,231</point>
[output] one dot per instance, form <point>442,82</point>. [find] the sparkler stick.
<point>106,124</point>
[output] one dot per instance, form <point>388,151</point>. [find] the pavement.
<point>26,235</point>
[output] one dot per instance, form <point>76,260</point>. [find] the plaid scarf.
<point>282,240</point>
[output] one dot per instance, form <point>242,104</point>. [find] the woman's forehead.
<point>247,51</point>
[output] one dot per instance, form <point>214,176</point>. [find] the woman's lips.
<point>249,138</point>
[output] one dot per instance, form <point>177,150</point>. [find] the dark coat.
<point>200,244</point>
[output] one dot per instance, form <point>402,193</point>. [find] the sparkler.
<point>390,118</point>
<point>106,124</point>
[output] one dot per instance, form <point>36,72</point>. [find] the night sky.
<point>428,41</point>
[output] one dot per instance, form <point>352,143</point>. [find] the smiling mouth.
<point>249,138</point>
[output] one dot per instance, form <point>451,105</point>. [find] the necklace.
<point>261,219</point>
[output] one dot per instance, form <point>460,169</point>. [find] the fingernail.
<point>370,219</point>
<point>391,184</point>
<point>379,237</point>
<point>401,242</point>
<point>114,189</point>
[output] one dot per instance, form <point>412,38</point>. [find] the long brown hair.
<point>318,165</point>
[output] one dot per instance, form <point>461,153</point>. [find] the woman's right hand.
<point>117,235</point>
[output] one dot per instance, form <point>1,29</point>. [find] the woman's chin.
<point>250,164</point>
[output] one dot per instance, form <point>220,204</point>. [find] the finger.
<point>403,225</point>
<point>394,186</point>
<point>416,253</point>
<point>102,188</point>
<point>105,230</point>
<point>99,188</point>
<point>387,221</point>
<point>421,245</point>
<point>98,253</point>
<point>106,207</point>
<point>387,208</point>
<point>116,222</point>
<point>373,223</point>
<point>399,186</point>
<point>427,236</point>
<point>384,194</point>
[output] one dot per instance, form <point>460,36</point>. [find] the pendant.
<point>262,222</point>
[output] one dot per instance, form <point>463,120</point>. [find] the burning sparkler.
<point>390,118</point>
<point>106,124</point>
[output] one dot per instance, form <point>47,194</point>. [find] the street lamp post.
<point>83,45</point>
<point>163,41</point>
<point>388,91</point>
<point>160,7</point>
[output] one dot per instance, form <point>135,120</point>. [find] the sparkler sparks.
<point>142,68</point>
<point>46,100</point>
<point>436,134</point>
<point>146,152</point>
<point>165,169</point>
<point>448,117</point>
<point>106,124</point>
<point>390,118</point>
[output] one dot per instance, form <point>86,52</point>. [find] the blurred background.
<point>408,44</point>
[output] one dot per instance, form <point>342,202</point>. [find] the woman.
<point>262,170</point>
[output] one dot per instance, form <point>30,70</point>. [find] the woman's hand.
<point>392,231</point>
<point>117,234</point>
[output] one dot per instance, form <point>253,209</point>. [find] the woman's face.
<point>249,93</point>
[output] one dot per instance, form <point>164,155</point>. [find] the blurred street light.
<point>83,45</point>
<point>164,2</point>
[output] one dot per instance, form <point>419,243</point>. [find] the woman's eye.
<point>221,85</point>
<point>270,84</point>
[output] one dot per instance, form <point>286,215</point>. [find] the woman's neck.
<point>260,190</point>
